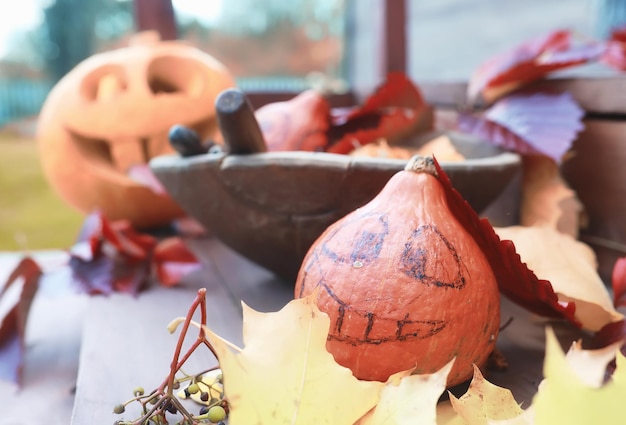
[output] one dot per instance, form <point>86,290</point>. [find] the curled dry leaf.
<point>284,373</point>
<point>409,400</point>
<point>529,123</point>
<point>484,402</point>
<point>395,110</point>
<point>570,266</point>
<point>547,200</point>
<point>590,366</point>
<point>16,296</point>
<point>528,62</point>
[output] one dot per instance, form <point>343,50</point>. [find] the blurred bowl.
<point>271,206</point>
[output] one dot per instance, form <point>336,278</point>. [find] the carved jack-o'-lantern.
<point>113,112</point>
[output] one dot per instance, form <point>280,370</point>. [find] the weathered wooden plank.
<point>53,336</point>
<point>126,344</point>
<point>248,282</point>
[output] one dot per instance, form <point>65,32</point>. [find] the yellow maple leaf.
<point>527,417</point>
<point>570,266</point>
<point>569,380</point>
<point>284,375</point>
<point>564,398</point>
<point>485,401</point>
<point>409,400</point>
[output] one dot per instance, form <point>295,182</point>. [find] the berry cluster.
<point>206,388</point>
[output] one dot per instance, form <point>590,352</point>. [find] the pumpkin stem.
<point>421,164</point>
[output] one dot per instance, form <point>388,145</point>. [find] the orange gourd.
<point>404,283</point>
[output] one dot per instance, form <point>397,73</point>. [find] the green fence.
<point>21,98</point>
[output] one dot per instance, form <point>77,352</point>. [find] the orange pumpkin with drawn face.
<point>112,113</point>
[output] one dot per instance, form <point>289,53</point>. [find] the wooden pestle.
<point>239,127</point>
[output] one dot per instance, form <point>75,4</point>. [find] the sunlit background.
<point>269,45</point>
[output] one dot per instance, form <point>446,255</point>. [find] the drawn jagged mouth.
<point>376,328</point>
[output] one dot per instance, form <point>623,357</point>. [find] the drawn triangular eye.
<point>367,243</point>
<point>427,270</point>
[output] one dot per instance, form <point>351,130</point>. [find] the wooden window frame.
<point>159,15</point>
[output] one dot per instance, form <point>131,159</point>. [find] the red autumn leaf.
<point>111,257</point>
<point>618,281</point>
<point>299,124</point>
<point>515,279</point>
<point>615,54</point>
<point>172,260</point>
<point>528,62</point>
<point>398,91</point>
<point>529,123</point>
<point>15,299</point>
<point>393,111</point>
<point>615,331</point>
<point>611,333</point>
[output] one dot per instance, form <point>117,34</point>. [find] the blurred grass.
<point>32,216</point>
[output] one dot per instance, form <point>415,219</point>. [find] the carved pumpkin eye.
<point>188,80</point>
<point>113,112</point>
<point>104,83</point>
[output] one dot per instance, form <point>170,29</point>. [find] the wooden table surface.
<point>86,354</point>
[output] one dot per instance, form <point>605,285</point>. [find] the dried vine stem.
<point>163,397</point>
<point>177,362</point>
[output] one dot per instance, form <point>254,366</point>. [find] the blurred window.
<point>449,39</point>
<point>271,45</point>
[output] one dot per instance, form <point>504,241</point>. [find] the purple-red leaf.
<point>173,260</point>
<point>528,62</point>
<point>535,123</point>
<point>15,299</point>
<point>515,279</point>
<point>111,257</point>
